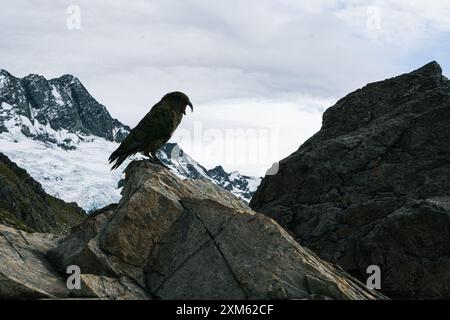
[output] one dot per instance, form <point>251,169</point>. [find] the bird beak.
<point>190,105</point>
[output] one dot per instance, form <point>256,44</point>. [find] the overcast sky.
<point>259,72</point>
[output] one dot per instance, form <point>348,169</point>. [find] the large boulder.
<point>189,239</point>
<point>372,187</point>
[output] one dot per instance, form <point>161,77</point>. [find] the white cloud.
<point>250,134</point>
<point>403,24</point>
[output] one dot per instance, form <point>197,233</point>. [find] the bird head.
<point>180,100</point>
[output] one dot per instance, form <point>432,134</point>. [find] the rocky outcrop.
<point>183,239</point>
<point>25,205</point>
<point>373,185</point>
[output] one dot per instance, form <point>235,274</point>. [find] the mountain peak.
<point>376,100</point>
<point>430,69</point>
<point>5,73</point>
<point>62,104</point>
<point>35,77</point>
<point>68,78</point>
<point>217,169</point>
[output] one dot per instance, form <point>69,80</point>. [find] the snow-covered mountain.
<point>184,166</point>
<point>63,137</point>
<point>59,111</point>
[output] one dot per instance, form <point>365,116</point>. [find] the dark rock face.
<point>25,205</point>
<point>62,103</point>
<point>373,185</point>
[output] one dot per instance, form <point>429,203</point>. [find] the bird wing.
<point>156,125</point>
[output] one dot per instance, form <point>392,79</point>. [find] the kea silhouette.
<point>154,130</point>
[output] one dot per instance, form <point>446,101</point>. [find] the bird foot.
<point>157,161</point>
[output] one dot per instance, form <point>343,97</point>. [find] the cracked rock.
<point>25,272</point>
<point>189,239</point>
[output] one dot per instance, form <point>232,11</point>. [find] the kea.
<point>154,130</point>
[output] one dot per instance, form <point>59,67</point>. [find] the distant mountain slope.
<point>25,205</point>
<point>59,110</point>
<point>184,166</point>
<point>63,137</point>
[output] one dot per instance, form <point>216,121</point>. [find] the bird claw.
<point>157,161</point>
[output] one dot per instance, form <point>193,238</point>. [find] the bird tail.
<point>118,157</point>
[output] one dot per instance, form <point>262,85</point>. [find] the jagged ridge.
<point>59,110</point>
